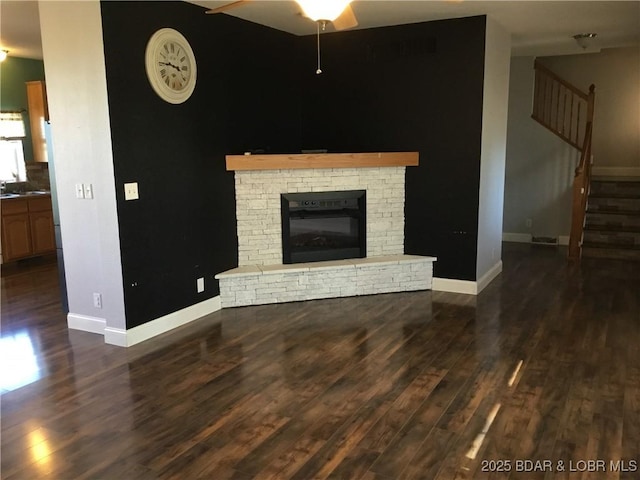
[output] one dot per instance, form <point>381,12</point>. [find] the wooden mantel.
<point>322,160</point>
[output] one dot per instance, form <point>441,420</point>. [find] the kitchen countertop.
<point>34,193</point>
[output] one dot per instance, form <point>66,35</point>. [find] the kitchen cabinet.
<point>16,231</point>
<point>43,238</point>
<point>27,227</point>
<point>38,115</point>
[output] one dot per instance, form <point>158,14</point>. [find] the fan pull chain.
<point>319,70</point>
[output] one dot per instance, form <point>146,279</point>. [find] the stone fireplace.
<point>258,207</point>
<point>269,271</point>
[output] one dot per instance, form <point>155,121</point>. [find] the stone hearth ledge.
<point>263,284</point>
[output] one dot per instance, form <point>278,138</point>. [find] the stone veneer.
<point>261,278</point>
<point>258,207</point>
<point>259,285</point>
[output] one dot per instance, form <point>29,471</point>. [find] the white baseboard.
<point>115,336</point>
<point>516,237</point>
<point>454,286</point>
<point>467,287</point>
<point>85,323</point>
<point>488,277</point>
<point>616,171</point>
<point>527,238</point>
<point>132,336</point>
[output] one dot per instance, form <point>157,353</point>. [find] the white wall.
<point>492,156</point>
<point>540,166</point>
<point>77,94</point>
<point>616,127</point>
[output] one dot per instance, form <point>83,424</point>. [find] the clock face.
<point>173,65</point>
<point>170,65</point>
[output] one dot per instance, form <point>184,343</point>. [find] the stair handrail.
<point>560,106</point>
<point>567,111</point>
<point>581,183</point>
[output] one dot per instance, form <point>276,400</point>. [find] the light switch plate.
<point>79,190</point>
<point>200,285</point>
<point>88,190</point>
<point>131,191</point>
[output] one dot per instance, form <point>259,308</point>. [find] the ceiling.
<point>538,28</point>
<point>20,28</point>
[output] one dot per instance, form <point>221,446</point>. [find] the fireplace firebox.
<point>319,226</point>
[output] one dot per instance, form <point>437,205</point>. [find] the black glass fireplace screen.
<point>323,226</point>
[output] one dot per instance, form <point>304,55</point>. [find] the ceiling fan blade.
<point>347,19</point>
<point>228,6</point>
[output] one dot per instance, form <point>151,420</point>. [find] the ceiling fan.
<point>338,12</point>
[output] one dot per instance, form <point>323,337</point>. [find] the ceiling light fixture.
<point>585,40</point>
<point>327,10</point>
<point>3,55</point>
<point>324,11</point>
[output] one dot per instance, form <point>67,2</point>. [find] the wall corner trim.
<point>132,336</point>
<point>488,277</point>
<point>466,286</point>
<point>86,323</point>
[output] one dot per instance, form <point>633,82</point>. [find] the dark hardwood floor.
<point>542,367</point>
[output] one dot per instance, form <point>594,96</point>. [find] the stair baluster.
<point>552,113</point>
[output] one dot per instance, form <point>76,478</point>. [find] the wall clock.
<point>170,65</point>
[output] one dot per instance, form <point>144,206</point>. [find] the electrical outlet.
<point>88,190</point>
<point>97,300</point>
<point>528,222</point>
<point>131,191</point>
<point>200,285</point>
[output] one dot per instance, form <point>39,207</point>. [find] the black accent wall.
<point>183,226</point>
<point>410,87</point>
<point>406,88</point>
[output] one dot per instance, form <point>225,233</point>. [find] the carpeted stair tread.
<point>611,210</point>
<point>599,227</point>
<point>621,246</point>
<point>617,196</point>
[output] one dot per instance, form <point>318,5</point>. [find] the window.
<point>12,167</point>
<point>11,125</point>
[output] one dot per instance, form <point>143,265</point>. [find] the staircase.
<point>567,112</point>
<point>612,225</point>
